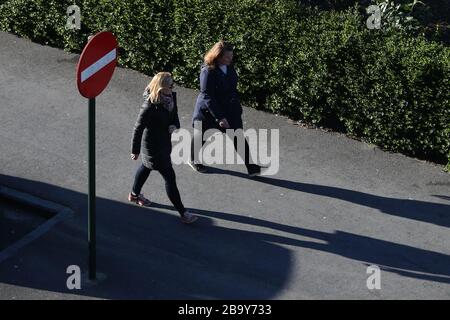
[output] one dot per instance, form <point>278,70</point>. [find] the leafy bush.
<point>322,67</point>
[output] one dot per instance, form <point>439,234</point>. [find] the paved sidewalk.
<point>336,206</point>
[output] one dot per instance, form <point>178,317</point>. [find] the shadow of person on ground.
<point>441,197</point>
<point>430,212</point>
<point>146,253</point>
<point>401,259</point>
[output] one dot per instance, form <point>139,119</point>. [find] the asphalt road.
<point>309,232</point>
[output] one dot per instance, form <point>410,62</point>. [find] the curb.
<point>60,213</point>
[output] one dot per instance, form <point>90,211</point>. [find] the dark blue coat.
<point>219,95</point>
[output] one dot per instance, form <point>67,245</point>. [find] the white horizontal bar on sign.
<point>96,66</point>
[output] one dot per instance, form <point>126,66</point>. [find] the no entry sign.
<point>94,70</point>
<point>96,65</point>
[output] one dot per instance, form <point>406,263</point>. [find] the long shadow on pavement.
<point>401,259</point>
<point>148,253</point>
<point>442,197</point>
<point>434,213</point>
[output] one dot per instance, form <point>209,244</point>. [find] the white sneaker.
<point>188,217</point>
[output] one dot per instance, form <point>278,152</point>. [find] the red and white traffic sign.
<point>96,65</point>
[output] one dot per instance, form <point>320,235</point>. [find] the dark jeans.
<point>207,124</point>
<point>168,174</point>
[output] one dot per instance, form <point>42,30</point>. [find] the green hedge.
<point>321,67</point>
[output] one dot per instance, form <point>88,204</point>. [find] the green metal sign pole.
<point>91,196</point>
<point>94,71</point>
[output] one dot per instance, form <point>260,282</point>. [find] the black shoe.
<point>197,167</point>
<point>254,170</point>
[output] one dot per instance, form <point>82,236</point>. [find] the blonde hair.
<point>160,81</point>
<point>216,52</point>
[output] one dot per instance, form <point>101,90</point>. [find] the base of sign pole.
<point>86,282</point>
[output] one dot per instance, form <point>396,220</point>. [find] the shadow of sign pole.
<point>94,71</point>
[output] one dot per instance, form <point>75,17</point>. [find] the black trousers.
<point>211,124</point>
<point>168,174</point>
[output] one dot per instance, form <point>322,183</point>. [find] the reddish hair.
<point>216,52</point>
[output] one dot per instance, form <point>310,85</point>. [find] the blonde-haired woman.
<point>156,121</point>
<point>218,104</point>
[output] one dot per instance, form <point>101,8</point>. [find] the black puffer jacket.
<point>151,137</point>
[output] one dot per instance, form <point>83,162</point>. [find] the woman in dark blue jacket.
<point>156,121</point>
<point>218,105</point>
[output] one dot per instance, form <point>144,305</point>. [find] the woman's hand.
<point>172,128</point>
<point>224,123</point>
<point>134,156</point>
